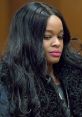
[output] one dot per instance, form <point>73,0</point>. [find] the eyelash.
<point>48,37</point>
<point>61,37</point>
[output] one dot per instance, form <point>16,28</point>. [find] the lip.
<point>55,53</point>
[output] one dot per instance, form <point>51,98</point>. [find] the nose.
<point>55,41</point>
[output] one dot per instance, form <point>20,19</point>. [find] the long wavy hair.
<point>25,60</point>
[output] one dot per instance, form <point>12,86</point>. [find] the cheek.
<point>45,45</point>
<point>62,45</point>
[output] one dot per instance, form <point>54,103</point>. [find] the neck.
<point>50,69</point>
<point>51,73</point>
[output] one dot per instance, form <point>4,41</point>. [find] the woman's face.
<point>53,40</point>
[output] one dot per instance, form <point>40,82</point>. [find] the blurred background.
<point>71,10</point>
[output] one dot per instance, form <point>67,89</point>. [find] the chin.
<point>54,61</point>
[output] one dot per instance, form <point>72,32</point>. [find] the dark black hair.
<point>25,58</point>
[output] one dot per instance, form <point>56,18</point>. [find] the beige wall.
<point>71,10</point>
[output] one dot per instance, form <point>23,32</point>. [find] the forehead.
<point>54,23</point>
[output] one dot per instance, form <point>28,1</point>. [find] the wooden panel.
<point>4,20</point>
<point>72,11</point>
<point>7,10</point>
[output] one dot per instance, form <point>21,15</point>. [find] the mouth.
<point>55,53</point>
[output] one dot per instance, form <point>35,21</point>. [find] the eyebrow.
<point>50,31</point>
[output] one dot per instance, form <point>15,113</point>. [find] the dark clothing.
<point>71,79</point>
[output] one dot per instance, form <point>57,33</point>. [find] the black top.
<point>62,95</point>
<point>71,78</point>
<point>64,101</point>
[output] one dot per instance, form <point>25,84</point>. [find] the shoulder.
<point>69,68</point>
<point>4,72</point>
<point>5,100</point>
<point>4,103</point>
<point>71,74</point>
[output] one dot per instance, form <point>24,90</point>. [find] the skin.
<point>53,41</point>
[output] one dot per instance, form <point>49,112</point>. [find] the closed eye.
<point>47,36</point>
<point>61,37</point>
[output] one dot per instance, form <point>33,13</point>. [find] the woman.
<point>39,76</point>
